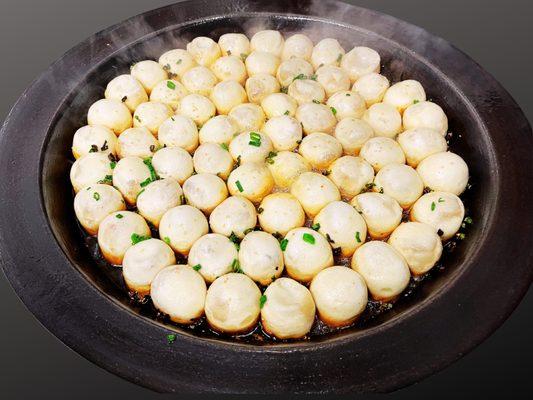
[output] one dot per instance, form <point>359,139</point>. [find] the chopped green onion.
<point>441,200</point>
<point>300,76</point>
<point>239,186</point>
<point>333,110</point>
<point>234,238</point>
<point>262,301</point>
<point>283,244</point>
<point>416,101</point>
<point>171,85</point>
<point>307,237</point>
<point>433,206</point>
<point>255,139</point>
<point>315,227</point>
<point>136,238</point>
<point>270,157</point>
<point>166,239</point>
<point>197,267</point>
<point>316,101</point>
<point>107,180</point>
<point>286,112</point>
<point>171,338</point>
<point>137,118</point>
<point>113,164</point>
<point>358,237</point>
<point>236,266</point>
<point>260,210</point>
<point>224,146</point>
<point>146,182</point>
<point>96,196</point>
<point>94,148</point>
<point>148,163</point>
<point>119,216</point>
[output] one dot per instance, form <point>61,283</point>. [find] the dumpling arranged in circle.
<point>263,183</point>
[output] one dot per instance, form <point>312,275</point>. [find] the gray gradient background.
<point>33,33</point>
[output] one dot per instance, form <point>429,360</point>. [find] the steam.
<point>113,56</point>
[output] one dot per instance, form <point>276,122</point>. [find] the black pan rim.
<point>20,283</point>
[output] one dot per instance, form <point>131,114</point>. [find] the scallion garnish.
<point>255,139</point>
<point>146,182</point>
<point>236,266</point>
<point>235,240</point>
<point>148,163</point>
<point>171,338</point>
<point>308,238</point>
<point>136,238</point>
<point>270,157</point>
<point>262,301</point>
<point>107,180</point>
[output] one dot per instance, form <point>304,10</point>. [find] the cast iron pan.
<point>46,259</point>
